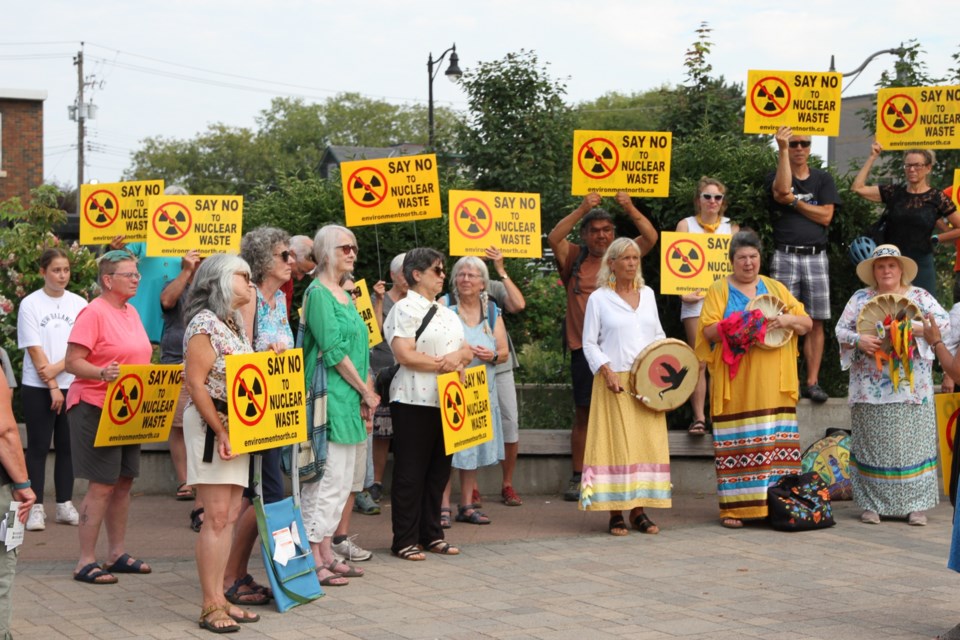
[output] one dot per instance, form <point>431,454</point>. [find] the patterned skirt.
<point>752,450</point>
<point>893,457</point>
<point>626,461</point>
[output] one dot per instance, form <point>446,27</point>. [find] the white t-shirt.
<point>952,338</point>
<point>46,322</point>
<point>614,332</point>
<point>443,335</point>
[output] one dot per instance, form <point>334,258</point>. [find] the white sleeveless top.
<point>692,310</point>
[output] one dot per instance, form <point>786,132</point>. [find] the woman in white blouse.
<point>626,462</point>
<point>421,466</point>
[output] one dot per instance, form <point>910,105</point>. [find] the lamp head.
<point>453,71</point>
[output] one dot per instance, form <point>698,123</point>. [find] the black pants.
<point>42,424</point>
<point>421,469</point>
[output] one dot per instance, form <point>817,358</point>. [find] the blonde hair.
<point>614,251</point>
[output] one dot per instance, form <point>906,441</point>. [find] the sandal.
<point>697,428</point>
<point>351,572</point>
<point>210,623</point>
<point>332,580</point>
<point>731,523</point>
<point>249,581</point>
<point>413,552</point>
<point>643,524</point>
<point>250,596</point>
<point>443,548</point>
<point>445,518</point>
<point>128,564</point>
<point>95,574</point>
<point>184,492</point>
<point>474,517</point>
<point>196,521</point>
<point>617,526</point>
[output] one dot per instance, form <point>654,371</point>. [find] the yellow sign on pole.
<point>266,396</point>
<point>209,224</point>
<point>139,405</point>
<point>806,101</point>
<point>365,307</point>
<point>691,262</point>
<point>508,221</point>
<point>390,190</point>
<point>911,117</point>
<point>637,162</point>
<point>465,409</point>
<point>948,410</point>
<point>116,209</point>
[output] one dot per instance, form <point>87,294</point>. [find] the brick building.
<point>21,142</point>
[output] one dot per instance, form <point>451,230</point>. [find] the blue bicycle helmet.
<point>860,249</point>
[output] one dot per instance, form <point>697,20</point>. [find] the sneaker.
<point>67,513</point>
<point>376,491</point>
<point>364,504</point>
<point>510,497</point>
<point>348,550</point>
<point>37,520</point>
<point>572,494</point>
<point>815,393</point>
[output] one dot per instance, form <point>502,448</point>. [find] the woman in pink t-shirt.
<point>106,334</point>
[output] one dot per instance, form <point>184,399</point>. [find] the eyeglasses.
<point>438,269</point>
<point>355,292</point>
<point>129,275</point>
<point>463,275</point>
<point>799,143</point>
<point>348,249</point>
<point>243,274</point>
<point>712,196</point>
<point>916,166</point>
<point>283,255</point>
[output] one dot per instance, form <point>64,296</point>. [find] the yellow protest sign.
<point>508,221</point>
<point>637,162</point>
<point>139,405</point>
<point>955,191</point>
<point>948,410</point>
<point>465,409</point>
<point>116,209</point>
<point>365,307</point>
<point>390,190</point>
<point>691,262</point>
<point>209,224</point>
<point>912,117</point>
<point>266,397</point>
<point>806,101</point>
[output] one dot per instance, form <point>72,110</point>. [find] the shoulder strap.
<point>492,313</point>
<point>426,320</point>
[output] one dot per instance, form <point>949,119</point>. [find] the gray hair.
<point>419,259</point>
<point>302,246</point>
<point>107,263</point>
<point>325,244</point>
<point>468,261</point>
<point>257,249</point>
<point>594,214</point>
<point>744,238</point>
<point>212,288</point>
<point>175,190</point>
<point>614,251</point>
<point>396,265</point>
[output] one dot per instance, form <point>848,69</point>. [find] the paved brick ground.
<point>542,571</point>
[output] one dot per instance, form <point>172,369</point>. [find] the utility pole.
<point>81,116</point>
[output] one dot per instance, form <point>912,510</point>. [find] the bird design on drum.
<point>673,377</point>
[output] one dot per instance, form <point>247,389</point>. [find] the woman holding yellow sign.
<point>709,203</point>
<point>336,338</point>
<point>106,334</point>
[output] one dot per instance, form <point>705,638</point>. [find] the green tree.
<point>518,135</point>
<point>615,111</point>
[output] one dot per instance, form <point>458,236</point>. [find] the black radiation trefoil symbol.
<point>256,390</point>
<point>474,227</point>
<point>454,403</point>
<point>101,210</point>
<point>771,104</point>
<point>692,255</point>
<point>124,399</point>
<point>367,193</point>
<point>892,111</point>
<point>172,221</point>
<point>598,165</point>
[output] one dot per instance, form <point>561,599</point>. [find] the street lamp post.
<point>453,72</point>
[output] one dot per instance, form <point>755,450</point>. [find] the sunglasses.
<point>916,166</point>
<point>283,255</point>
<point>712,196</point>
<point>437,269</point>
<point>799,143</point>
<point>355,292</point>
<point>348,248</point>
<point>244,275</point>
